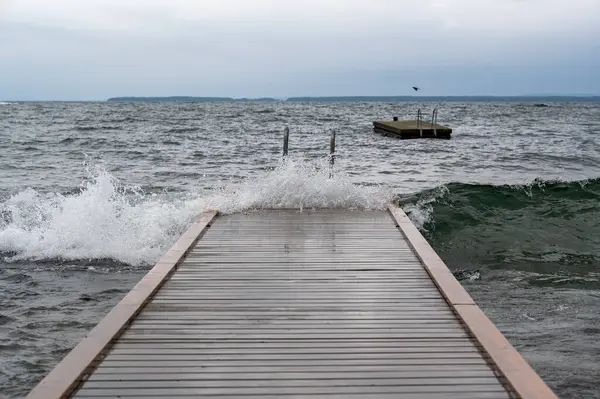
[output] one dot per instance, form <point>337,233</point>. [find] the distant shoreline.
<point>534,99</point>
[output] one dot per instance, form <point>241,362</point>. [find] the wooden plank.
<point>417,296</point>
<point>426,395</point>
<point>408,307</point>
<point>295,290</point>
<point>308,328</point>
<point>284,284</point>
<point>450,321</point>
<point>67,374</point>
<point>295,321</point>
<point>354,277</point>
<point>332,274</point>
<point>309,342</point>
<point>296,307</point>
<point>517,372</point>
<point>251,357</point>
<point>279,300</point>
<point>298,390</point>
<point>387,246</point>
<point>284,262</point>
<point>193,335</point>
<point>279,241</point>
<point>432,370</point>
<point>345,246</point>
<point>294,301</point>
<point>442,327</point>
<point>311,345</point>
<point>487,383</point>
<point>192,349</point>
<point>219,314</point>
<point>304,276</point>
<point>433,264</point>
<point>313,257</point>
<point>432,362</point>
<point>204,318</point>
<point>201,352</point>
<point>338,292</point>
<point>282,231</point>
<point>204,375</point>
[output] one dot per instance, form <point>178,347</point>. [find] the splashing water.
<point>298,184</point>
<point>107,220</point>
<point>420,209</point>
<point>103,220</point>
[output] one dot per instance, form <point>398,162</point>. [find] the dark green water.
<point>537,250</point>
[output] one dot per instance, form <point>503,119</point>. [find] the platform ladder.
<point>286,142</point>
<point>434,115</point>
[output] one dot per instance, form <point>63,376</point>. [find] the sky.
<point>96,49</point>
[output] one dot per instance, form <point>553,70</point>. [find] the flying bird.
<point>416,88</point>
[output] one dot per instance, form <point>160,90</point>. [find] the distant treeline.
<point>186,99</point>
<point>534,99</point>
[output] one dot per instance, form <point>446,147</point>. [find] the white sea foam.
<point>420,211</point>
<point>107,220</point>
<point>297,184</point>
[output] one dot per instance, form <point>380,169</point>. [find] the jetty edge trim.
<point>517,372</point>
<point>79,362</point>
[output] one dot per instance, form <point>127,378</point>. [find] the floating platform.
<point>412,129</point>
<point>283,303</point>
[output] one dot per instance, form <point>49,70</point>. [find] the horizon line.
<point>280,98</point>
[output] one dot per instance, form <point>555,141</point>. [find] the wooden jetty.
<point>413,129</point>
<point>283,303</point>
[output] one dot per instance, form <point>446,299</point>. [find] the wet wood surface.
<point>286,303</point>
<point>67,375</point>
<point>504,358</point>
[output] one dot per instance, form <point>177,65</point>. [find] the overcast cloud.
<point>94,49</point>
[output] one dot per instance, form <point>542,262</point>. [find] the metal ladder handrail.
<point>434,121</point>
<point>286,142</point>
<point>331,153</point>
<point>420,121</point>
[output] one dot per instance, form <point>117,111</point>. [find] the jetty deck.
<point>283,303</point>
<point>412,129</point>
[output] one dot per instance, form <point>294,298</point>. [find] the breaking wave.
<point>105,219</point>
<point>546,228</point>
